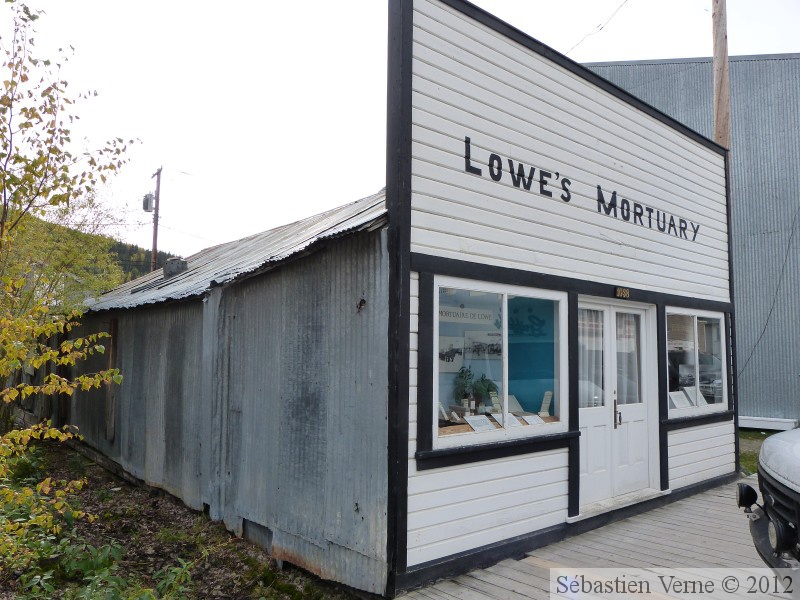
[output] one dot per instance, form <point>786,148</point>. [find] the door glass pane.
<point>629,388</point>
<point>590,358</point>
<point>709,359</point>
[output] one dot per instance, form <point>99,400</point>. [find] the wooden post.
<point>154,257</point>
<point>722,86</point>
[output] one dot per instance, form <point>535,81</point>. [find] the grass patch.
<point>755,434</point>
<point>749,446</point>
<point>748,461</point>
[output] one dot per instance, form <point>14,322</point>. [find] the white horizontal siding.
<point>446,32</point>
<point>412,376</point>
<point>700,453</point>
<point>470,81</point>
<point>521,122</point>
<point>454,509</point>
<point>459,508</point>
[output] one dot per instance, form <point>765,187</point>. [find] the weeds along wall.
<point>265,401</point>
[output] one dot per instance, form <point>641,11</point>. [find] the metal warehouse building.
<point>527,334</point>
<point>765,177</point>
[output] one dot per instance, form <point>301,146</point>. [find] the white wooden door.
<point>615,400</point>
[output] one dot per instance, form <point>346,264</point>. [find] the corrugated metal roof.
<point>222,264</point>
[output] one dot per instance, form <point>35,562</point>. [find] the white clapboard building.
<point>528,334</point>
<point>594,232</point>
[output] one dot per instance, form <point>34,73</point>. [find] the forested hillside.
<point>135,261</point>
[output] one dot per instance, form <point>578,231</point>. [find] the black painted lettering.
<point>637,213</point>
<point>496,167</point>
<point>672,226</point>
<point>468,167</point>
<point>625,209</point>
<point>519,177</point>
<point>661,227</point>
<point>695,229</point>
<point>682,228</point>
<point>602,206</point>
<point>544,177</point>
<point>649,216</point>
<point>567,195</point>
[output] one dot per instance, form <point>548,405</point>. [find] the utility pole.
<point>153,261</point>
<point>722,85</point>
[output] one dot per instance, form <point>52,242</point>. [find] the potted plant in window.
<point>481,390</point>
<point>462,385</point>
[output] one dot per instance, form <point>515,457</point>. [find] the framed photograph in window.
<point>451,354</point>
<point>483,345</point>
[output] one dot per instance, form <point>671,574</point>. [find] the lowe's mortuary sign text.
<point>555,185</point>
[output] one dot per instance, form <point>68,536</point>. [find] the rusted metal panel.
<point>226,262</point>
<point>765,171</point>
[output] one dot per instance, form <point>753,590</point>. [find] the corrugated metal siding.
<point>307,410</point>
<point>267,401</point>
<point>159,408</point>
<point>765,169</point>
<point>516,105</point>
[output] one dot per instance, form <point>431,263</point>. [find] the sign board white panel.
<point>519,162</point>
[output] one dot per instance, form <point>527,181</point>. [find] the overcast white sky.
<point>262,113</point>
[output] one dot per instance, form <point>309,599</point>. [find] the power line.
<point>599,28</point>
<point>189,234</point>
<point>775,295</point>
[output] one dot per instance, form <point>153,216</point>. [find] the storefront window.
<point>695,362</point>
<point>499,361</point>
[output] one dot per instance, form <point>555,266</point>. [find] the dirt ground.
<point>155,530</point>
<point>749,445</point>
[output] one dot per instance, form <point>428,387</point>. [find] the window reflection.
<point>694,350</point>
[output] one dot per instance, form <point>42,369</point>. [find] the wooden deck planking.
<point>539,582</point>
<point>483,581</point>
<point>690,545</point>
<point>622,555</point>
<point>513,588</point>
<point>707,530</point>
<point>663,554</point>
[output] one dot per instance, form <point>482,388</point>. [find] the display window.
<point>500,362</point>
<point>696,362</point>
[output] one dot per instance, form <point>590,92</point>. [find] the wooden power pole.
<point>722,85</point>
<point>153,259</point>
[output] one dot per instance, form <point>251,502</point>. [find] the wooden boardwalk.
<point>704,531</point>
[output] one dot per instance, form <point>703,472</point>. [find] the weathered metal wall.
<point>307,410</point>
<point>160,419</point>
<point>266,401</point>
<point>765,170</point>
